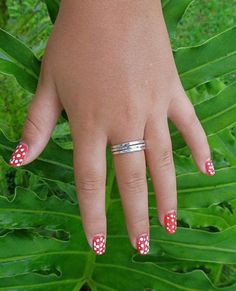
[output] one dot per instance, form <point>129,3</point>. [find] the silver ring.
<point>128,147</point>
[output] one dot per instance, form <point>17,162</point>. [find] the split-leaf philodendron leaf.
<point>42,242</point>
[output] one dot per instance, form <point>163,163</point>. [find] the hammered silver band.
<point>128,147</point>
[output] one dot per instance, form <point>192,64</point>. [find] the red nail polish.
<point>210,167</point>
<point>170,222</point>
<point>99,244</point>
<point>18,155</point>
<point>143,244</point>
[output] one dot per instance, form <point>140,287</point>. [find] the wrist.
<point>110,12</point>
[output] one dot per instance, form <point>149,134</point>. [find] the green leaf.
<point>46,248</point>
<point>213,58</point>
<point>18,60</point>
<point>3,13</point>
<point>220,107</point>
<point>224,146</point>
<point>62,135</point>
<point>197,190</point>
<point>173,13</point>
<point>40,230</point>
<point>218,216</point>
<point>42,242</point>
<point>197,245</point>
<point>26,80</point>
<point>53,8</point>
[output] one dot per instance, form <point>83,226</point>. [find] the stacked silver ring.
<point>128,147</point>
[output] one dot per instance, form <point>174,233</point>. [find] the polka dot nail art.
<point>210,168</point>
<point>18,155</point>
<point>170,222</point>
<point>143,244</point>
<point>99,244</point>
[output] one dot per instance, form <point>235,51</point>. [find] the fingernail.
<point>209,167</point>
<point>143,244</point>
<point>18,155</point>
<point>99,244</point>
<point>170,222</point>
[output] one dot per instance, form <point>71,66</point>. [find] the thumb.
<point>42,116</point>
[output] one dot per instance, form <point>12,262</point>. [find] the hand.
<point>109,64</point>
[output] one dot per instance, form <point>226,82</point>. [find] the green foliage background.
<point>42,244</point>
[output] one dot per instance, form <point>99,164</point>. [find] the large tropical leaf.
<point>213,58</point>
<point>220,107</point>
<point>42,242</point>
<point>46,220</point>
<point>45,246</point>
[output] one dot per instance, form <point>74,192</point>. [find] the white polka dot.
<point>21,150</point>
<point>141,238</point>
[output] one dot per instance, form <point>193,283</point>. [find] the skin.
<point>109,64</point>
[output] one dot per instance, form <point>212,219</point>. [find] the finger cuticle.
<point>170,222</point>
<point>99,244</point>
<point>18,155</point>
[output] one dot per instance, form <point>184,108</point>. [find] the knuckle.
<point>88,122</point>
<point>32,125</point>
<point>165,160</point>
<point>192,119</point>
<point>131,112</point>
<point>136,181</point>
<point>141,222</point>
<point>90,182</point>
<point>94,221</point>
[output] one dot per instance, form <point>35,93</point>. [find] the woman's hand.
<point>109,64</point>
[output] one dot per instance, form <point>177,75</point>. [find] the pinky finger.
<point>183,114</point>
